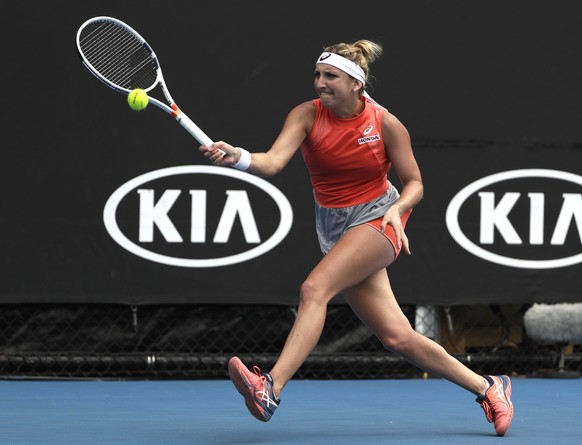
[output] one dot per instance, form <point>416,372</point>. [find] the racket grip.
<point>195,130</point>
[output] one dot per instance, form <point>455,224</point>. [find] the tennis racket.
<point>118,56</point>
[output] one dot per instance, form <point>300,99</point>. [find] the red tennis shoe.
<point>497,403</point>
<point>255,387</point>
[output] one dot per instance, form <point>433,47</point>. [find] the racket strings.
<point>118,55</point>
<point>121,57</point>
<point>114,47</point>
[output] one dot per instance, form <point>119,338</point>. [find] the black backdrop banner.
<point>105,205</point>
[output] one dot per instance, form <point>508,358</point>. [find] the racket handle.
<point>195,130</point>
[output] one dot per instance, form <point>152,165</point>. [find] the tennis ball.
<point>138,99</point>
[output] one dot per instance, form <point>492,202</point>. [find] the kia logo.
<point>197,216</point>
<point>529,218</point>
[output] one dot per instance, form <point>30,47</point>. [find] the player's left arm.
<point>399,150</point>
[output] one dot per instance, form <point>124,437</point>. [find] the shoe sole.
<point>244,387</point>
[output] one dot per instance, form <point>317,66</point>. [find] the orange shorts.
<point>389,232</point>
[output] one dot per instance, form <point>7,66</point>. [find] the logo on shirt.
<point>368,129</point>
<point>368,139</point>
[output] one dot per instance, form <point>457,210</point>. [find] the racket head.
<point>117,55</point>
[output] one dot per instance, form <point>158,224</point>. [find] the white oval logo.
<point>570,215</point>
<point>111,224</point>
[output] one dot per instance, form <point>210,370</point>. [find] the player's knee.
<point>312,293</point>
<point>400,341</point>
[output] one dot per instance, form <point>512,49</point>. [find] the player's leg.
<point>357,255</point>
<point>375,304</point>
<point>354,257</point>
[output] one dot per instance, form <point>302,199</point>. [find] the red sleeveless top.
<point>346,158</point>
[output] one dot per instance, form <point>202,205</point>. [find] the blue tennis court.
<point>312,412</point>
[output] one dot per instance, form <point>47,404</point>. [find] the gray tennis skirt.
<point>332,223</point>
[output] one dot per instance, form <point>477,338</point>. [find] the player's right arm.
<point>295,129</point>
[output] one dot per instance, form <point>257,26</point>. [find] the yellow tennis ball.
<point>138,99</point>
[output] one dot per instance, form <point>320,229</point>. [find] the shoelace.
<point>258,372</point>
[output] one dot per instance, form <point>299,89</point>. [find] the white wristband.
<point>244,162</point>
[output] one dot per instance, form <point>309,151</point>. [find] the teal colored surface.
<point>312,412</point>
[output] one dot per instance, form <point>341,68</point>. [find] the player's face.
<point>333,86</point>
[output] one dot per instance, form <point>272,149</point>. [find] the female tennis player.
<point>349,143</point>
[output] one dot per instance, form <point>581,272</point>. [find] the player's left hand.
<point>392,218</point>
